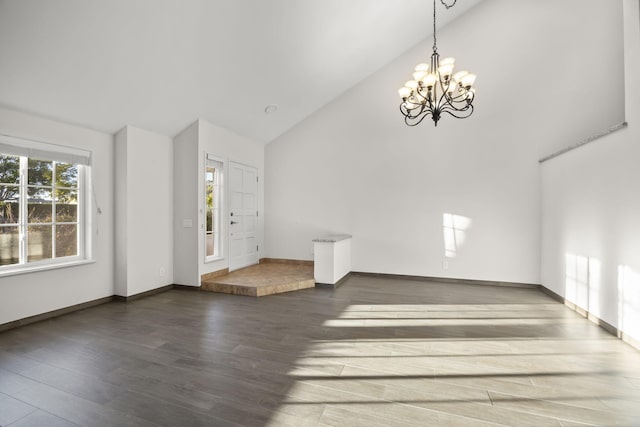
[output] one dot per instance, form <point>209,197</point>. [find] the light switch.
<point>187,223</point>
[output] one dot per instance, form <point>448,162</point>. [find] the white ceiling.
<point>162,64</point>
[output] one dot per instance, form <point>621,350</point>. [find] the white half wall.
<point>144,202</point>
<point>466,194</point>
<point>590,212</point>
<point>30,294</point>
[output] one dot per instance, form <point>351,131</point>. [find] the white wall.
<point>232,147</point>
<point>35,293</point>
<point>185,205</point>
<point>144,202</point>
<point>354,167</point>
<point>120,222</point>
<point>590,212</point>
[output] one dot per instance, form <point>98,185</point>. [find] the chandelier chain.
<point>435,48</point>
<point>447,6</point>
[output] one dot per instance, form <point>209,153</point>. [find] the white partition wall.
<point>590,211</point>
<point>144,211</point>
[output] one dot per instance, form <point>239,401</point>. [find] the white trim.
<point>36,267</point>
<point>592,138</point>
<point>83,223</point>
<point>220,164</point>
<point>43,150</point>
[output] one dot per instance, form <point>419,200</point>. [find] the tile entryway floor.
<point>263,279</point>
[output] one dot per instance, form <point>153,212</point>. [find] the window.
<point>42,215</point>
<point>212,192</point>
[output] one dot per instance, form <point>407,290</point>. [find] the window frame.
<point>57,155</point>
<point>218,206</point>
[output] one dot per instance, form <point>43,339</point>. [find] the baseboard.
<point>77,307</point>
<point>338,283</point>
<point>143,294</point>
<point>187,287</point>
<point>446,280</point>
<point>213,274</point>
<point>286,261</point>
<point>55,313</point>
<point>595,319</point>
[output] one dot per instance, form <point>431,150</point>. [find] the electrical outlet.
<point>161,272</point>
<point>445,265</point>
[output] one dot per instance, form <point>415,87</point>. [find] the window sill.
<point>25,269</point>
<point>214,259</point>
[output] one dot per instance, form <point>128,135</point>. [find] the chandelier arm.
<point>449,106</point>
<point>461,116</point>
<point>408,123</point>
<point>407,113</point>
<point>460,97</point>
<point>452,101</point>
<point>422,98</point>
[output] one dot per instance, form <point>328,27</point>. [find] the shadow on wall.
<point>583,287</point>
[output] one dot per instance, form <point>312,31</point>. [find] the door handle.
<point>233,222</point>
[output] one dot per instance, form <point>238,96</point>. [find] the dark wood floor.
<point>374,352</point>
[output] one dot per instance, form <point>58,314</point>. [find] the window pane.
<point>66,240</point>
<point>40,172</point>
<point>209,243</point>
<point>209,197</point>
<point>9,245</point>
<point>66,175</point>
<point>39,246</point>
<point>40,205</point>
<point>66,206</point>
<point>9,204</point>
<point>9,169</point>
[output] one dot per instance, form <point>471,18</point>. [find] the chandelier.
<point>435,89</point>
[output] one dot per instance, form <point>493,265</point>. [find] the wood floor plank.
<point>372,352</point>
<point>75,409</point>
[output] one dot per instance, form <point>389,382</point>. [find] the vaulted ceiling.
<point>161,64</point>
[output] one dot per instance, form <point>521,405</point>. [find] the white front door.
<point>243,216</point>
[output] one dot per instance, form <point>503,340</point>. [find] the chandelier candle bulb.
<point>430,80</point>
<point>445,71</point>
<point>459,75</point>
<point>435,89</point>
<point>418,75</point>
<point>412,84</point>
<point>404,92</point>
<point>468,81</point>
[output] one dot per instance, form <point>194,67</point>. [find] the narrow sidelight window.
<point>213,198</point>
